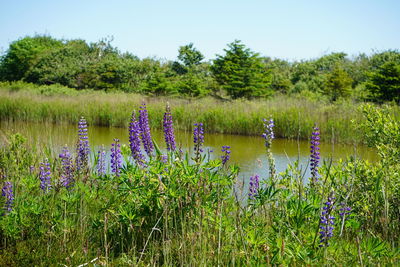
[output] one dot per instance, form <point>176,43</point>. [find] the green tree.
<point>241,72</point>
<point>280,71</point>
<point>23,54</point>
<point>384,83</point>
<point>64,65</point>
<point>338,83</point>
<point>189,55</point>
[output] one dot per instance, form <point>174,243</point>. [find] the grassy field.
<point>294,116</point>
<point>170,211</point>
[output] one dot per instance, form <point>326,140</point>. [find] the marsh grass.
<point>294,116</point>
<point>186,213</point>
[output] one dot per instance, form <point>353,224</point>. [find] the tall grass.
<point>294,116</point>
<point>176,212</point>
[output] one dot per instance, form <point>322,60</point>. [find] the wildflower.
<point>45,176</point>
<point>7,192</point>
<point>82,158</point>
<point>116,157</point>
<point>101,162</point>
<point>164,159</point>
<point>268,132</point>
<point>344,211</point>
<point>314,154</point>
<point>169,130</point>
<point>254,186</point>
<point>145,129</point>
<point>67,176</point>
<point>134,140</point>
<point>327,222</point>
<point>269,136</point>
<point>198,139</point>
<point>226,150</point>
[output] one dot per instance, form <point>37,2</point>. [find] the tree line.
<point>238,72</point>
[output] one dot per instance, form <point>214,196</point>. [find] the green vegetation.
<point>175,211</point>
<point>294,115</point>
<point>239,73</point>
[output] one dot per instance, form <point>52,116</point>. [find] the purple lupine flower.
<point>268,132</point>
<point>254,186</point>
<point>145,129</point>
<point>101,162</point>
<point>344,211</point>
<point>314,157</point>
<point>67,175</point>
<point>45,176</point>
<point>226,156</point>
<point>326,222</point>
<point>7,192</point>
<point>268,136</point>
<point>169,130</point>
<point>134,140</point>
<point>198,139</point>
<point>82,159</point>
<point>164,159</point>
<point>116,157</point>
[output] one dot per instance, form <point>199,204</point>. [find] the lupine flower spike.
<point>116,157</point>
<point>145,129</point>
<point>198,140</point>
<point>67,174</point>
<point>45,176</point>
<point>134,140</point>
<point>314,157</point>
<point>82,159</point>
<point>254,185</point>
<point>7,192</point>
<point>101,162</point>
<point>327,221</point>
<point>227,154</point>
<point>268,137</point>
<point>169,130</point>
<point>344,211</point>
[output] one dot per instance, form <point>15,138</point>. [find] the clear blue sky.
<point>297,29</point>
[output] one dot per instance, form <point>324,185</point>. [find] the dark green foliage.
<point>338,83</point>
<point>280,71</point>
<point>189,55</point>
<point>23,54</point>
<point>384,82</point>
<point>241,72</point>
<point>64,65</point>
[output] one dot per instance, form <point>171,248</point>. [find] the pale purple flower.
<point>198,139</point>
<point>164,159</point>
<point>254,185</point>
<point>134,140</point>
<point>7,192</point>
<point>314,157</point>
<point>45,176</point>
<point>101,162</point>
<point>116,157</point>
<point>268,132</point>
<point>169,130</point>
<point>67,174</point>
<point>344,211</point>
<point>82,159</point>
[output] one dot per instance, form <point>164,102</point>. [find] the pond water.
<point>246,151</point>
